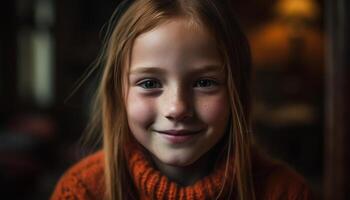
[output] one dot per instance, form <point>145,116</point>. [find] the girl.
<point>174,108</point>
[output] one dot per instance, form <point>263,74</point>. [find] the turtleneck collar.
<point>152,184</point>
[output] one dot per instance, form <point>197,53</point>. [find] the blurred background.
<point>301,87</point>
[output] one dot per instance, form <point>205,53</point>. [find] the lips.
<point>178,136</point>
<point>178,132</point>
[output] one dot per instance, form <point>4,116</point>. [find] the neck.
<point>155,180</point>
<point>186,175</point>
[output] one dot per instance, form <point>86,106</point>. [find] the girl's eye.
<point>150,84</point>
<point>205,83</point>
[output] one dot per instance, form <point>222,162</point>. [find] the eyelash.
<point>144,82</point>
<point>209,81</point>
<point>156,83</point>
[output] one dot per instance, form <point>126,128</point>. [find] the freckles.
<point>213,108</point>
<point>139,109</point>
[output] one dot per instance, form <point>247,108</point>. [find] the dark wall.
<point>337,140</point>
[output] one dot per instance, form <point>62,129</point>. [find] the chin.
<point>178,161</point>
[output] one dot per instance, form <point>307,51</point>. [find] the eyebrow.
<point>208,68</point>
<point>161,71</point>
<point>148,70</point>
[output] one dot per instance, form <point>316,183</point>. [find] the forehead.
<point>176,43</point>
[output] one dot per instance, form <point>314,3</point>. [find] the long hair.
<point>110,112</point>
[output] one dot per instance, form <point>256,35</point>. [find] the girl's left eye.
<point>205,83</point>
<point>150,84</point>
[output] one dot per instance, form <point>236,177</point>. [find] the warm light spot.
<point>304,9</point>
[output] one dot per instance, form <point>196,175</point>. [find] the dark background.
<point>300,87</point>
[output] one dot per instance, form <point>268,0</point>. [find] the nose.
<point>179,106</point>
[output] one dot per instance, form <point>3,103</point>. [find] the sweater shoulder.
<point>274,179</point>
<point>82,181</point>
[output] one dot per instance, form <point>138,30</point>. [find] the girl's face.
<point>177,103</point>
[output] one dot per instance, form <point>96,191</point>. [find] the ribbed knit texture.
<point>153,185</point>
<point>85,181</point>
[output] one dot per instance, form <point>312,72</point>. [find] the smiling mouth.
<point>178,137</point>
<point>179,132</point>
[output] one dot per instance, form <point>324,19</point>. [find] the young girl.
<point>174,108</point>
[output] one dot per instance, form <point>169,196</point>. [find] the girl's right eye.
<point>149,84</point>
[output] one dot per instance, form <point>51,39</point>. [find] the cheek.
<point>140,110</point>
<point>213,110</point>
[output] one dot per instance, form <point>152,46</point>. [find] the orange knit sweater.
<point>85,181</point>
